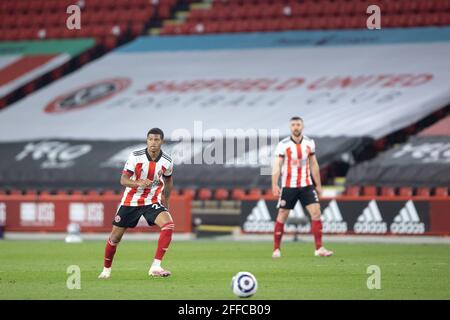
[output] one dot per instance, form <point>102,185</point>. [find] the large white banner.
<point>352,90</point>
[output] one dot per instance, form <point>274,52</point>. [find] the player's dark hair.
<point>296,118</point>
<point>156,131</point>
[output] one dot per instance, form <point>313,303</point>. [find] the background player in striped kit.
<point>295,159</point>
<point>147,176</point>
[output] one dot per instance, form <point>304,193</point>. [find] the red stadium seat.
<point>110,42</point>
<point>287,24</point>
<point>54,32</point>
<point>199,15</point>
<point>268,192</point>
<point>426,6</point>
<point>369,190</point>
<point>311,9</point>
<point>204,194</point>
<point>356,22</point>
<point>254,12</point>
<point>209,27</point>
<point>45,193</point>
<point>415,20</point>
<point>431,19</point>
<point>330,8</point>
<point>168,29</point>
<point>270,12</point>
<point>237,194</point>
<point>109,192</point>
<point>352,190</point>
<point>189,192</point>
<point>339,22</point>
<point>221,194</point>
<point>423,191</point>
<point>347,9</point>
<point>93,193</point>
<point>228,26</point>
<point>15,192</point>
<point>136,28</point>
<point>302,23</point>
<point>271,25</point>
<point>33,192</point>
<point>255,192</point>
<point>405,191</point>
<point>256,25</point>
<point>240,12</point>
<point>410,6</point>
<point>392,7</point>
<point>163,12</point>
<point>388,191</point>
<point>441,192</point>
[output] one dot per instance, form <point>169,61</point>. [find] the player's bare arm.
<point>128,182</point>
<point>276,170</point>
<point>168,185</point>
<point>315,172</point>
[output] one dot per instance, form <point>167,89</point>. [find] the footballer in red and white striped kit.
<point>147,177</point>
<point>296,161</point>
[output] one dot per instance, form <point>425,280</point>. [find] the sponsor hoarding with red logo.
<point>92,213</point>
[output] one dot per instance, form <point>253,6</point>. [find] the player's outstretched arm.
<point>276,170</point>
<point>127,182</point>
<point>315,172</point>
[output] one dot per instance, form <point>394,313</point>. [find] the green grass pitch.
<point>203,269</point>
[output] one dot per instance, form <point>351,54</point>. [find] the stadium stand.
<point>418,167</point>
<point>266,15</point>
<point>115,23</point>
<point>123,75</point>
<point>108,23</point>
<point>101,19</point>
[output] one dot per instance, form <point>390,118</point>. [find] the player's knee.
<point>315,214</point>
<point>114,240</point>
<point>282,215</point>
<point>115,237</point>
<point>168,226</point>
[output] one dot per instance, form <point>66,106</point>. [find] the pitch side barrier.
<point>53,213</point>
<point>366,215</point>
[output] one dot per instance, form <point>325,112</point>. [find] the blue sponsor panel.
<point>287,39</point>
